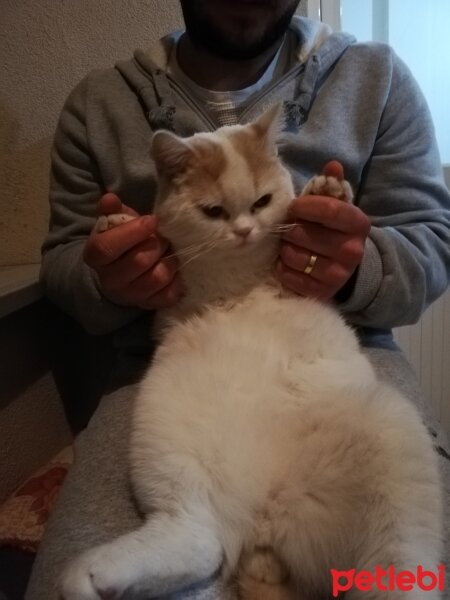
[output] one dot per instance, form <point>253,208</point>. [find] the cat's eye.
<point>262,202</point>
<point>215,212</point>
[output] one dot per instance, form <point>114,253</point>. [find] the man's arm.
<point>125,274</point>
<point>405,264</point>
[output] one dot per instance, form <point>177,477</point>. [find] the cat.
<point>263,445</point>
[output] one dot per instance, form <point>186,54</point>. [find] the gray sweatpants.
<point>96,505</point>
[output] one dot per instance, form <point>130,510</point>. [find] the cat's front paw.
<point>105,222</point>
<point>326,185</point>
<point>99,574</point>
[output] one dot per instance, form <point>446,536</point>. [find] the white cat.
<point>262,443</point>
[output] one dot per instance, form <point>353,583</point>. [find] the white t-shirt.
<point>226,106</point>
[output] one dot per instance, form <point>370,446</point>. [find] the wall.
<point>46,47</point>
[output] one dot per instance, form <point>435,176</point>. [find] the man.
<point>381,260</point>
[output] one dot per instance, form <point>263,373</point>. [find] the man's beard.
<point>205,33</point>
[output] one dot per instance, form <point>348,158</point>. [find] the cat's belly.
<point>245,394</point>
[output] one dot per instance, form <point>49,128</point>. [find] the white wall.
<point>357,17</point>
<point>46,47</point>
<point>420,36</point>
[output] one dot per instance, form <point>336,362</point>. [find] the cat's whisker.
<point>188,250</point>
<point>212,245</point>
<point>195,247</point>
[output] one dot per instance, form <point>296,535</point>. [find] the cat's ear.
<point>268,127</point>
<point>170,152</point>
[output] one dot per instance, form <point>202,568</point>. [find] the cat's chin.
<point>243,249</point>
<point>244,244</point>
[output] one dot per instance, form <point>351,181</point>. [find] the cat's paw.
<point>105,222</point>
<point>323,185</point>
<point>99,574</point>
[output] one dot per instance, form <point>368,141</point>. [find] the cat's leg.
<point>399,526</point>
<point>412,550</point>
<point>169,552</point>
<point>330,183</point>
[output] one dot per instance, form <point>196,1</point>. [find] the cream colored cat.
<point>263,444</point>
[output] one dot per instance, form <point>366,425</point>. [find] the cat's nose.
<point>243,230</point>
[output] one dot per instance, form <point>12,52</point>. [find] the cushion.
<point>24,515</point>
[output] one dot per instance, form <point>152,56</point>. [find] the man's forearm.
<point>73,286</point>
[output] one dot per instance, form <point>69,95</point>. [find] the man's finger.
<point>334,169</point>
<point>331,213</point>
<point>301,284</point>
<point>134,263</point>
<point>110,204</point>
<point>339,247</point>
<point>104,248</point>
<point>153,281</point>
<point>165,297</point>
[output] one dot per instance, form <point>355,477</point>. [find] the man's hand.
<point>129,260</point>
<point>331,229</point>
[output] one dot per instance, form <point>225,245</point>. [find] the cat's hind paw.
<point>105,222</point>
<point>326,185</point>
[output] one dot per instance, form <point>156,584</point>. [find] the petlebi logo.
<point>388,580</point>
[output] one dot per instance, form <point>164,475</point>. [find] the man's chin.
<point>235,30</point>
<point>234,43</point>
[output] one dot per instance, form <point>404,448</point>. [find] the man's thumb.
<point>110,204</point>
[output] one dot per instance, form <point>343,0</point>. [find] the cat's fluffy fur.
<point>263,443</point>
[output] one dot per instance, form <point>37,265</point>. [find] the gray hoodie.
<point>357,103</point>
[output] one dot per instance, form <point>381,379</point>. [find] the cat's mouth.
<point>244,243</point>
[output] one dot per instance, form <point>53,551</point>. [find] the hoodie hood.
<point>317,51</point>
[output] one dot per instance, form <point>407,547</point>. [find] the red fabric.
<point>24,515</point>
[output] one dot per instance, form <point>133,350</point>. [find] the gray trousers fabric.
<point>96,505</point>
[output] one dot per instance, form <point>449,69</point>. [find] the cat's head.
<point>228,188</point>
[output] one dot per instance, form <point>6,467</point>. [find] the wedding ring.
<point>310,266</point>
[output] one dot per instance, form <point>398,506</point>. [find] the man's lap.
<point>95,504</point>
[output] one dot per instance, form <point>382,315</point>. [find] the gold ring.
<point>310,266</point>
